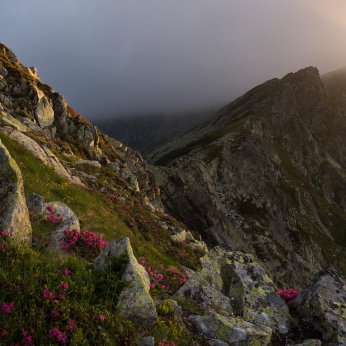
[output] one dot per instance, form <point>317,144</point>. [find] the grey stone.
<point>35,203</point>
<point>323,304</point>
<point>3,71</point>
<point>13,210</point>
<point>44,108</point>
<point>88,162</point>
<point>206,296</point>
<point>42,154</point>
<point>216,342</point>
<point>70,221</point>
<point>233,331</point>
<point>147,341</point>
<point>135,302</point>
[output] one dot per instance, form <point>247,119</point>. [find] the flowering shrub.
<point>52,216</point>
<point>3,245</point>
<point>58,335</point>
<point>289,295</point>
<point>62,301</point>
<point>164,279</point>
<point>86,244</point>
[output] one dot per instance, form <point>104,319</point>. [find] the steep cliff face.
<point>266,175</point>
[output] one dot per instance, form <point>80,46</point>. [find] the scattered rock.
<point>44,108</point>
<point>3,71</point>
<point>92,163</point>
<point>135,302</point>
<point>233,331</point>
<point>253,292</point>
<point>323,304</point>
<point>70,221</point>
<point>87,135</point>
<point>8,120</point>
<point>14,215</point>
<point>216,342</point>
<point>147,341</point>
<point>35,203</point>
<point>206,296</point>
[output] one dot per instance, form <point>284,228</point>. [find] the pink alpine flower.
<point>6,308</point>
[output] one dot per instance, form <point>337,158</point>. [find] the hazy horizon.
<point>122,58</point>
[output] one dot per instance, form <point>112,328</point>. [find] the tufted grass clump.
<point>165,308</point>
<point>54,300</point>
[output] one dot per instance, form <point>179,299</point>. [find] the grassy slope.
<point>107,218</point>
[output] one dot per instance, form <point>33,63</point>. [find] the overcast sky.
<point>121,57</point>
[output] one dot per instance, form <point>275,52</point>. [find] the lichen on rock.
<point>135,302</point>
<point>14,215</point>
<point>233,331</point>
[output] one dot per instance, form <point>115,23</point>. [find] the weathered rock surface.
<point>137,168</point>
<point>69,221</point>
<point>35,203</point>
<point>233,331</point>
<point>237,276</point>
<point>44,112</point>
<point>8,120</point>
<point>265,175</point>
<point>216,342</point>
<point>87,135</point>
<point>147,341</point>
<point>88,162</point>
<point>14,215</point>
<point>181,236</point>
<point>43,154</point>
<point>206,296</point>
<point>135,302</point>
<point>323,304</point>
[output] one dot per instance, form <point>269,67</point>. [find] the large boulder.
<point>88,162</point>
<point>69,221</point>
<point>35,203</point>
<point>87,135</point>
<point>60,112</point>
<point>206,296</point>
<point>14,215</point>
<point>323,304</point>
<point>126,174</point>
<point>252,292</point>
<point>44,112</point>
<point>232,331</point>
<point>135,302</point>
<point>8,120</point>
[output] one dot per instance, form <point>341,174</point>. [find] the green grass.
<point>89,292</point>
<point>25,274</point>
<point>99,215</point>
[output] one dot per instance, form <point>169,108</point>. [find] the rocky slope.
<point>265,175</point>
<point>335,83</point>
<point>139,277</point>
<point>29,105</point>
<point>144,133</point>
